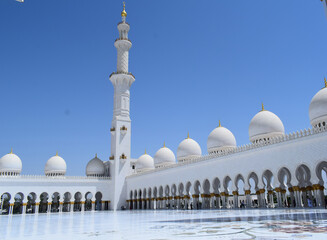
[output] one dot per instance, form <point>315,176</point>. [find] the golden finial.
<point>145,152</point>
<point>96,155</point>
<point>124,13</point>
<point>219,124</point>
<point>188,135</point>
<point>164,145</point>
<point>57,153</point>
<point>325,83</point>
<point>263,107</point>
<point>11,152</point>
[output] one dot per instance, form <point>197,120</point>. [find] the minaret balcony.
<point>127,73</point>
<point>120,39</point>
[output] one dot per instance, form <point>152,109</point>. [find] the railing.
<point>126,39</point>
<point>55,177</point>
<point>275,140</point>
<point>127,73</point>
<point>123,22</point>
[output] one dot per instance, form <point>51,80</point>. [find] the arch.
<point>43,207</point>
<point>155,192</point>
<point>173,190</point>
<point>180,189</point>
<point>240,184</point>
<point>167,190</point>
<point>5,203</point>
<point>77,202</point>
<point>88,201</point>
<point>206,186</point>
<point>66,203</point>
<point>284,178</point>
<point>98,201</point>
<point>303,175</point>
<point>188,189</point>
<point>31,200</point>
<point>216,185</point>
<point>322,166</point>
<point>267,179</point>
<point>197,187</point>
<point>55,204</point>
<point>18,204</point>
<point>226,184</point>
<point>253,181</point>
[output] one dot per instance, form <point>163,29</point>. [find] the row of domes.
<point>11,165</point>
<point>264,126</point>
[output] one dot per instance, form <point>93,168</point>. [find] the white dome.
<point>318,108</point>
<point>265,125</point>
<point>10,164</point>
<point>55,166</point>
<point>164,156</point>
<point>220,139</point>
<point>188,149</point>
<point>95,167</point>
<point>144,163</point>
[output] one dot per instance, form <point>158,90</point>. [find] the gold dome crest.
<point>124,13</point>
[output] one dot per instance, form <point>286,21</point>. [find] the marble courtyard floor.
<point>169,224</point>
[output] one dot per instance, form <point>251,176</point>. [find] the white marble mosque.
<point>275,170</point>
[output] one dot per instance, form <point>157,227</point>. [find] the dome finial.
<point>145,151</point>
<point>325,83</point>
<point>123,13</point>
<point>164,145</point>
<point>96,155</point>
<point>188,135</point>
<point>57,153</point>
<point>11,152</point>
<point>219,124</point>
<point>263,107</point>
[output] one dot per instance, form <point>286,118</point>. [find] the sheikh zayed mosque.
<point>276,169</point>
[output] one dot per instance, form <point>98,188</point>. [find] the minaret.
<point>325,5</point>
<point>121,122</point>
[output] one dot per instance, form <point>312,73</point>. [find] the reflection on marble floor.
<point>159,225</point>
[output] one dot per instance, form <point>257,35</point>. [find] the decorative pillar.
<point>248,198</point>
<point>218,204</point>
<point>298,200</point>
<point>309,192</point>
<point>82,206</point>
<point>223,199</point>
<point>93,206</point>
<point>213,200</point>
<point>195,201</point>
<point>303,194</point>
<point>11,206</point>
<point>235,198</point>
<point>24,208</point>
<point>271,198</point>
<point>279,197</point>
<point>262,198</point>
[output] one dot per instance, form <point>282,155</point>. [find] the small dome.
<point>188,149</point>
<point>220,139</point>
<point>318,108</point>
<point>55,166</point>
<point>164,156</point>
<point>95,167</point>
<point>265,125</point>
<point>10,164</point>
<point>144,163</point>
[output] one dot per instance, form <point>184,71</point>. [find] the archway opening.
<point>88,201</point>
<point>66,204</point>
<point>55,204</point>
<point>98,201</point>
<point>43,208</point>
<point>77,202</point>
<point>18,204</point>
<point>5,203</point>
<point>30,207</point>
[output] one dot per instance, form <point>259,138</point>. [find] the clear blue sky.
<point>195,62</point>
